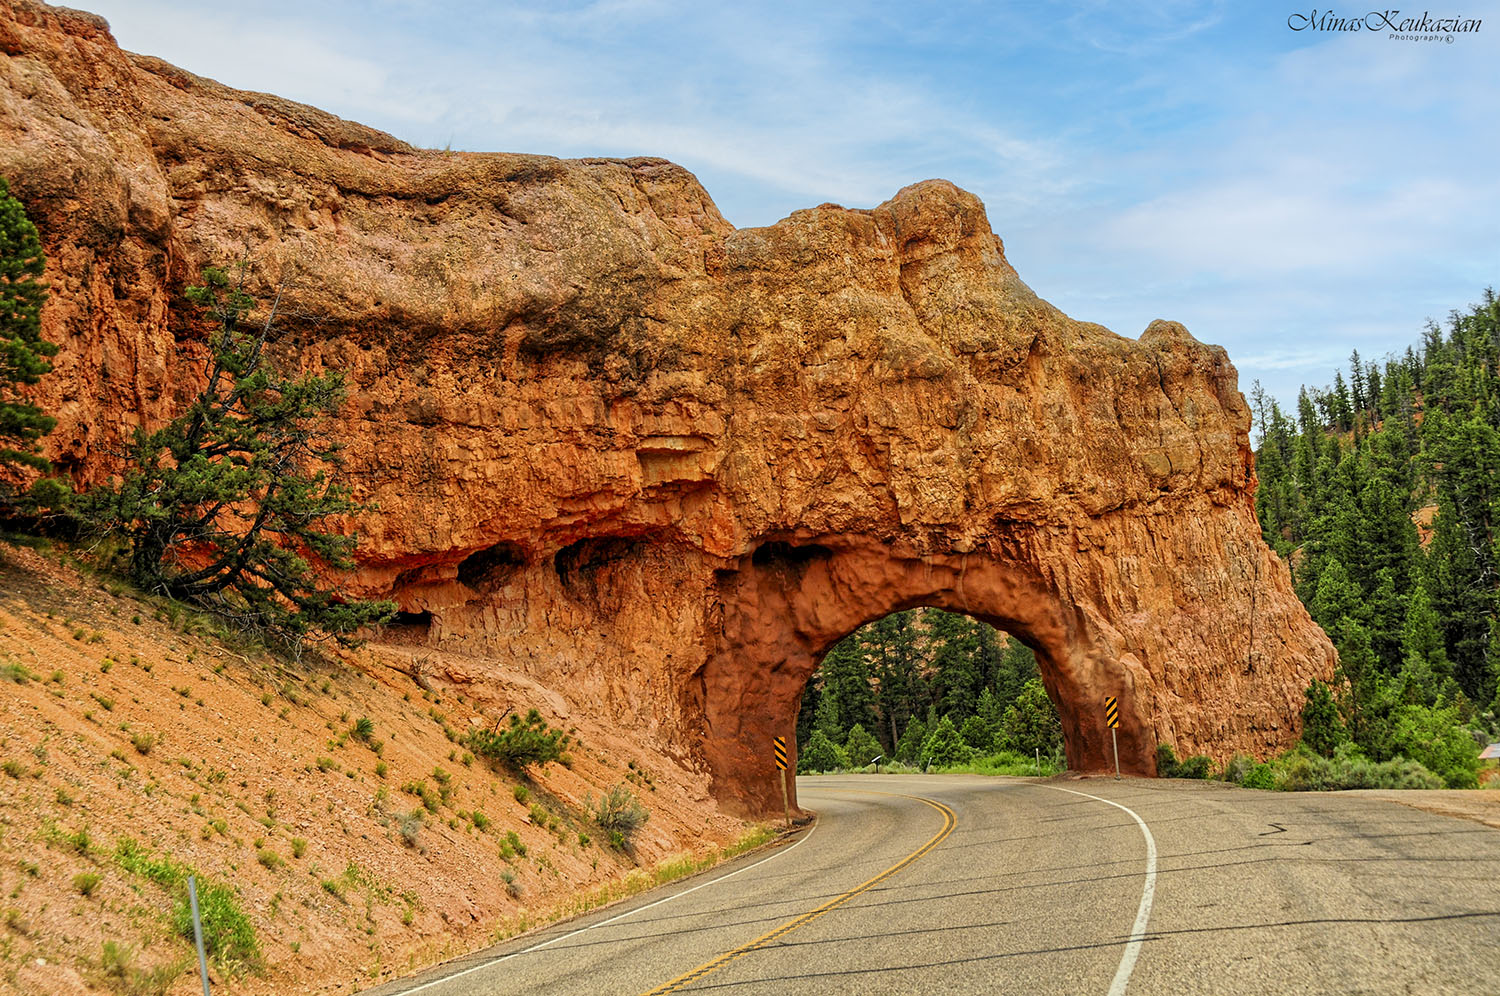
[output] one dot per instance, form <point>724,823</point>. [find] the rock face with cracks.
<point>648,460</point>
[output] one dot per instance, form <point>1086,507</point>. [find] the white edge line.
<point>602,923</point>
<point>1148,892</point>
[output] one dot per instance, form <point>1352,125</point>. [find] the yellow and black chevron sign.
<point>780,746</point>
<point>1111,712</point>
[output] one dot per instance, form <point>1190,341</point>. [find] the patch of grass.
<point>143,742</point>
<point>430,799</point>
<point>106,703</point>
<point>84,883</point>
<point>15,673</point>
<point>513,887</point>
<point>269,859</point>
<point>521,793</point>
<point>363,729</point>
<point>480,821</point>
<point>299,847</point>
<point>228,935</point>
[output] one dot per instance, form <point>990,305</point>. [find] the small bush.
<point>1166,761</point>
<point>821,754</point>
<point>1198,766</point>
<point>523,743</point>
<point>15,673</point>
<point>621,814</point>
<point>143,742</point>
<point>521,793</point>
<point>513,887</point>
<point>363,729</point>
<point>299,847</point>
<point>381,769</point>
<point>410,826</point>
<point>1238,769</point>
<point>84,883</point>
<point>269,859</point>
<point>480,821</point>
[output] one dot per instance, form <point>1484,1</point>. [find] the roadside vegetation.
<point>928,689</point>
<point>1380,492</point>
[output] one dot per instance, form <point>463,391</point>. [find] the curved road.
<point>957,884</point>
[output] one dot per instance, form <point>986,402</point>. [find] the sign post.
<point>779,745</point>
<point>198,931</point>
<point>1112,720</point>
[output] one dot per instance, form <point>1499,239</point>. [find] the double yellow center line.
<point>709,967</point>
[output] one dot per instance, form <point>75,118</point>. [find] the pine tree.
<point>1424,667</point>
<point>944,746</point>
<point>1322,728</point>
<point>861,747</point>
<point>1031,722</point>
<point>228,505</point>
<point>957,674</point>
<point>23,351</point>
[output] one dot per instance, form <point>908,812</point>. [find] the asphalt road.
<point>957,884</point>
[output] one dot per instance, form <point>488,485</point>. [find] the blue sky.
<point>1289,195</point>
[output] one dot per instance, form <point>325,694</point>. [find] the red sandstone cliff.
<point>649,460</point>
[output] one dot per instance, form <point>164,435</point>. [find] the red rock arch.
<point>638,462</point>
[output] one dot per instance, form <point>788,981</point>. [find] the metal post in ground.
<point>1115,739</point>
<point>786,809</point>
<point>198,932</point>
<point>1039,762</point>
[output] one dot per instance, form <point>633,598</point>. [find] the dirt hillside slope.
<point>125,721</point>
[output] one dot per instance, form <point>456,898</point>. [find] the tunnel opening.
<point>411,629</point>
<point>924,688</point>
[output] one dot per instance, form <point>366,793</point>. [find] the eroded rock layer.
<point>651,461</point>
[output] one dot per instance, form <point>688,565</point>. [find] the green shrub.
<point>1166,761</point>
<point>1302,770</point>
<point>299,846</point>
<point>1197,766</point>
<point>821,754</point>
<point>522,744</point>
<point>944,746</point>
<point>84,883</point>
<point>521,793</point>
<point>1238,769</point>
<point>1260,776</point>
<point>481,822</point>
<point>861,747</point>
<point>363,729</point>
<point>1434,737</point>
<point>621,814</point>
